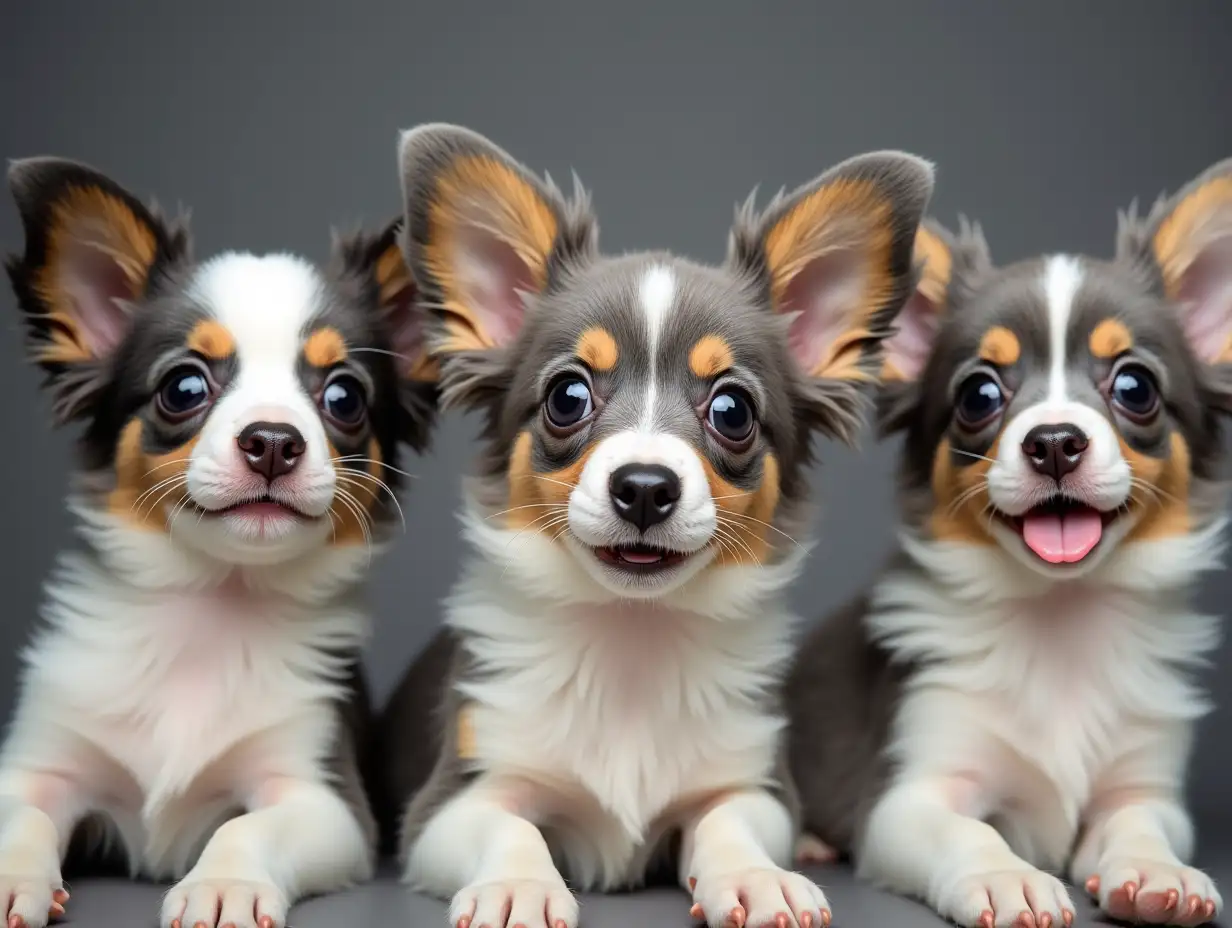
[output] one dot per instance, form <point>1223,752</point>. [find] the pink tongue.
<point>640,557</point>
<point>1063,539</point>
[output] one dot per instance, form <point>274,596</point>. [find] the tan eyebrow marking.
<point>598,349</point>
<point>1110,338</point>
<point>710,357</point>
<point>211,339</point>
<point>325,347</point>
<point>1000,346</point>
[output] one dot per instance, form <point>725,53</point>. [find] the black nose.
<point>1055,450</point>
<point>271,448</point>
<point>644,494</point>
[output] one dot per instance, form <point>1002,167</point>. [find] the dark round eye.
<point>343,400</point>
<point>568,402</point>
<point>731,416</point>
<point>980,398</point>
<point>183,391</point>
<point>1134,390</point>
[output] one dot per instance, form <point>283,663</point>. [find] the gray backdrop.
<point>274,120</point>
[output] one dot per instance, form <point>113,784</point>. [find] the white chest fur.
<point>1042,696</point>
<point>621,712</point>
<point>166,710</point>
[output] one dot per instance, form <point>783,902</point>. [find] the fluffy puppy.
<point>191,698</point>
<point>1015,695</point>
<point>606,684</point>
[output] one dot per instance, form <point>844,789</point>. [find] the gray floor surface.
<point>117,904</point>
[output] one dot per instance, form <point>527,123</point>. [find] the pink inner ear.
<point>908,348</point>
<point>827,295</point>
<point>406,329</point>
<point>492,277</point>
<point>98,289</point>
<point>1205,295</point>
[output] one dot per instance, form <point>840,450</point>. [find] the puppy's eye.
<point>1135,392</point>
<point>343,401</point>
<point>569,402</point>
<point>730,416</point>
<point>183,392</point>
<point>980,398</point>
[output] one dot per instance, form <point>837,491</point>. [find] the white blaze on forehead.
<point>656,295</point>
<point>1062,277</point>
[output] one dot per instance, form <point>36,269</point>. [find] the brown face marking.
<point>538,499</point>
<point>212,340</point>
<point>817,224</point>
<point>144,482</point>
<point>352,527</point>
<point>89,218</point>
<point>325,347</point>
<point>710,357</point>
<point>1109,339</point>
<point>1000,346</point>
<point>481,190</point>
<point>597,348</point>
<point>1166,513</point>
<point>960,495</point>
<point>745,516</point>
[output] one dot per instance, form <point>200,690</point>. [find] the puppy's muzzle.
<point>644,494</point>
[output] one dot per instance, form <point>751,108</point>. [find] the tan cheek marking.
<point>745,516</point>
<point>710,357</point>
<point>467,746</point>
<point>539,500</point>
<point>1109,339</point>
<point>960,497</point>
<point>597,348</point>
<point>1165,514</point>
<point>325,347</point>
<point>480,190</point>
<point>1000,346</point>
<point>211,339</point>
<point>814,226</point>
<point>349,525</point>
<point>146,484</point>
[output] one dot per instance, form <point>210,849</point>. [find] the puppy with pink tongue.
<point>1013,700</point>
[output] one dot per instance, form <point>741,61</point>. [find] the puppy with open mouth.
<point>603,701</point>
<point>1015,695</point>
<point>191,698</point>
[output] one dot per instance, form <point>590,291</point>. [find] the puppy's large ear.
<point>835,259</point>
<point>379,266</point>
<point>92,251</point>
<point>1188,239</point>
<point>484,238</point>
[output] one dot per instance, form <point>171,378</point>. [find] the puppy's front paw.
<point>1155,892</point>
<point>510,903</point>
<point>30,900</point>
<point>759,898</point>
<point>200,902</point>
<point>1023,898</point>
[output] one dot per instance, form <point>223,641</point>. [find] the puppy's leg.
<point>733,858</point>
<point>482,849</point>
<point>38,811</point>
<point>1132,858</point>
<point>300,839</point>
<point>924,839</point>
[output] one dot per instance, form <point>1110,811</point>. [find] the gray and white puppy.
<point>1014,695</point>
<point>603,693</point>
<point>190,697</point>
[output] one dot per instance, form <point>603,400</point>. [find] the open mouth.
<point>640,558</point>
<point>1062,530</point>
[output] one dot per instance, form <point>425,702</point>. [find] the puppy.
<point>191,698</point>
<point>606,685</point>
<point>1015,695</point>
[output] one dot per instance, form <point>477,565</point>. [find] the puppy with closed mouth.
<point>191,698</point>
<point>1014,698</point>
<point>603,700</point>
